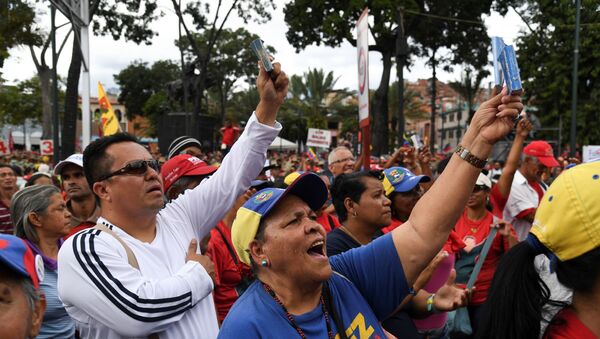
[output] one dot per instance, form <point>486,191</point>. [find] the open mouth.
<point>317,249</point>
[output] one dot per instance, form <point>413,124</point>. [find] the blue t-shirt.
<point>368,284</point>
<point>56,322</point>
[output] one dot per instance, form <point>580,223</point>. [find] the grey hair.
<point>31,294</point>
<point>331,157</point>
<point>32,199</point>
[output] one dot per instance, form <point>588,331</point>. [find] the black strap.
<point>333,311</point>
<point>231,252</point>
<point>331,223</point>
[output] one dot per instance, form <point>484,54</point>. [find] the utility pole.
<point>573,145</point>
<point>401,52</point>
<point>55,141</point>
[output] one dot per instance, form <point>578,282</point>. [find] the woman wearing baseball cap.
<point>301,292</point>
<point>566,229</point>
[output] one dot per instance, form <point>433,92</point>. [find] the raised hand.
<point>495,117</point>
<point>524,127</point>
<point>272,89</point>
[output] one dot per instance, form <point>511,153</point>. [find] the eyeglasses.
<point>137,167</point>
<point>342,160</point>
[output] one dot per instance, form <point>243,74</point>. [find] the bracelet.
<point>412,291</point>
<point>467,156</point>
<point>430,306</point>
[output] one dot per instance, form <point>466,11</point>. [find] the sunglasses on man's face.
<point>137,167</point>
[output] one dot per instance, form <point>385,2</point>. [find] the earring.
<point>354,214</point>
<point>264,263</point>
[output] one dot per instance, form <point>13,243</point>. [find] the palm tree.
<point>314,97</point>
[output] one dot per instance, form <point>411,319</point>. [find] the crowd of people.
<point>261,244</point>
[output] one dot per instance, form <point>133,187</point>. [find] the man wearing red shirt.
<point>230,134</point>
<point>527,187</point>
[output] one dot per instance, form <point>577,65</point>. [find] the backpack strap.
<point>131,259</point>
<point>231,252</point>
<point>484,252</point>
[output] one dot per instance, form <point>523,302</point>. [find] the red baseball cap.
<point>183,165</point>
<point>543,151</point>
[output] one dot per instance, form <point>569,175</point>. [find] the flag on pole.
<point>311,154</point>
<point>110,124</point>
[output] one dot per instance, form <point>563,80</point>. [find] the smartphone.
<point>262,54</point>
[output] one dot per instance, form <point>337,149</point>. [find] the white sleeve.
<point>95,279</point>
<point>208,203</point>
<point>518,201</point>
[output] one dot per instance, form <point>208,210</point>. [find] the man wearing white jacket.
<point>169,296</point>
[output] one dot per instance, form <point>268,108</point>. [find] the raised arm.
<point>208,203</point>
<point>513,159</point>
<point>434,216</point>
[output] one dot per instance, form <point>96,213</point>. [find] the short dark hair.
<point>8,166</point>
<point>351,186</point>
<point>96,162</point>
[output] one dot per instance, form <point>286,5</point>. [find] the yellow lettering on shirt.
<point>359,324</point>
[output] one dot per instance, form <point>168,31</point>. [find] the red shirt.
<point>473,233</point>
<point>229,135</point>
<point>537,187</point>
<point>328,221</point>
<point>228,274</point>
<point>395,223</point>
<point>498,201</point>
<point>565,325</point>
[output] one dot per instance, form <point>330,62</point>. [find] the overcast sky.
<point>108,57</point>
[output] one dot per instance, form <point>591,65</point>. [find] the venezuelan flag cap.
<point>567,221</point>
<point>400,179</point>
<point>308,187</point>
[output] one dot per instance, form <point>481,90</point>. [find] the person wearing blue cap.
<point>301,292</point>
<point>403,188</point>
<point>22,305</point>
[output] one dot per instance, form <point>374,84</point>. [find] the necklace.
<point>291,318</point>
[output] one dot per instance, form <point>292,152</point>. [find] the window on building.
<point>451,134</point>
<point>451,117</point>
<point>443,134</point>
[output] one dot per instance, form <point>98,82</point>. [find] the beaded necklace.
<point>291,318</point>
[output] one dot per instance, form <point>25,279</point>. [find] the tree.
<point>545,57</point>
<point>231,62</point>
<point>143,88</point>
<point>21,101</point>
<point>17,26</point>
<point>394,23</point>
<point>129,19</point>
<point>211,29</point>
<point>313,95</point>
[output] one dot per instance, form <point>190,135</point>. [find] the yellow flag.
<point>110,124</point>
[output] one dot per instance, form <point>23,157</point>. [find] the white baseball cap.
<point>76,159</point>
<point>483,180</point>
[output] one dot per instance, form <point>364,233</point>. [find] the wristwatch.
<point>467,156</point>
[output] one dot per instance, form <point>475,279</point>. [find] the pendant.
<point>473,229</point>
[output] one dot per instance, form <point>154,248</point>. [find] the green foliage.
<point>232,61</point>
<point>17,26</point>
<point>20,102</point>
<point>125,18</point>
<point>427,24</point>
<point>545,56</point>
<point>139,83</point>
<point>313,96</point>
<point>413,108</point>
<point>469,87</point>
